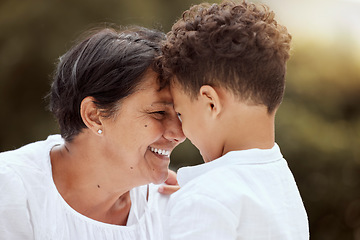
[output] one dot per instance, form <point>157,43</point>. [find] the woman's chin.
<point>160,177</point>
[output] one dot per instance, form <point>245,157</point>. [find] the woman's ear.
<point>210,97</point>
<point>90,115</point>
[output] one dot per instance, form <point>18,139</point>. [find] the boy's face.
<point>193,117</point>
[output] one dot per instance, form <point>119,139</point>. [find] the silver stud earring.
<point>99,131</point>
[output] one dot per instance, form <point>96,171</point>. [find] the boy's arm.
<point>200,217</point>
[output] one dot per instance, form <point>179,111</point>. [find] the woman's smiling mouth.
<point>161,152</point>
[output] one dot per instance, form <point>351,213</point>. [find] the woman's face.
<point>142,134</point>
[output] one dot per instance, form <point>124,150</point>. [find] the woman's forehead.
<point>149,80</point>
<point>149,92</point>
<point>155,97</point>
<point>163,103</point>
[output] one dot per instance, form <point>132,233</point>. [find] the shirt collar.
<point>241,157</point>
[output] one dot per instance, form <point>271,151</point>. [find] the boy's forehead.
<point>176,91</point>
<point>175,86</point>
<point>180,98</point>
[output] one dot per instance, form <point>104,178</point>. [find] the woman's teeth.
<point>160,151</point>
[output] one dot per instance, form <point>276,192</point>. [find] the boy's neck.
<point>247,127</point>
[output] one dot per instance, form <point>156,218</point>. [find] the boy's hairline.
<point>248,101</point>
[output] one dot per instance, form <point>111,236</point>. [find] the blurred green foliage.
<point>317,126</point>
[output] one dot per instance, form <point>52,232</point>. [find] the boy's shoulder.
<point>212,183</point>
<point>244,174</point>
<point>234,169</point>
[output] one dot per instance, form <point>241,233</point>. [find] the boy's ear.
<point>210,96</point>
<point>90,115</point>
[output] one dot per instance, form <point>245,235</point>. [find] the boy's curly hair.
<point>240,47</point>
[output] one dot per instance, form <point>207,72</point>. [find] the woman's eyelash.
<point>160,112</point>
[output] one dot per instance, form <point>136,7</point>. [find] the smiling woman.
<point>118,128</point>
<point>147,106</point>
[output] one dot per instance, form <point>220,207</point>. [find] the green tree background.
<point>318,124</point>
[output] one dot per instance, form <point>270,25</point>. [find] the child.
<point>227,65</point>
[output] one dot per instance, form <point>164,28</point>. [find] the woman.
<point>118,128</point>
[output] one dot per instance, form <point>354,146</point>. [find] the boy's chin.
<point>205,158</point>
<point>210,156</point>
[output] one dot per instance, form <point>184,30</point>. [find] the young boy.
<point>226,64</point>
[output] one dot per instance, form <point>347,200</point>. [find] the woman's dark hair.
<point>238,46</point>
<point>108,65</point>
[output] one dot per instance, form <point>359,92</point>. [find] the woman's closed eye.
<point>159,114</point>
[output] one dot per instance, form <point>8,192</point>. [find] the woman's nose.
<point>173,130</point>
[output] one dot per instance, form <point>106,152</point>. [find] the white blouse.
<point>32,208</point>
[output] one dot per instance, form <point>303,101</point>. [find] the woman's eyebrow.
<point>167,103</point>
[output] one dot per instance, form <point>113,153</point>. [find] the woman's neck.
<point>85,186</point>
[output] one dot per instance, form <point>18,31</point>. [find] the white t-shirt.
<point>247,195</point>
<point>32,208</point>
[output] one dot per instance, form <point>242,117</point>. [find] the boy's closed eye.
<point>179,116</point>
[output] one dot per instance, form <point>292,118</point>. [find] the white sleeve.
<point>14,214</point>
<point>200,217</point>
